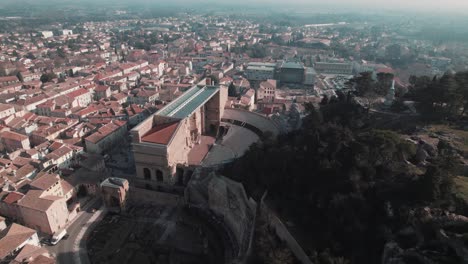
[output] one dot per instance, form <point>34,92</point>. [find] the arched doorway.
<point>82,191</point>
<point>180,176</point>
<point>212,129</point>
<point>114,202</point>
<point>147,174</point>
<point>159,176</point>
<point>221,131</point>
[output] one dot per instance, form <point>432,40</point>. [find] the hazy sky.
<point>460,6</point>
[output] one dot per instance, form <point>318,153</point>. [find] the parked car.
<point>59,236</point>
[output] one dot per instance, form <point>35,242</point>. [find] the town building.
<point>177,137</point>
<point>267,91</point>
<point>47,34</point>
<point>292,72</point>
<point>247,100</point>
<point>334,68</point>
<point>310,76</point>
<point>44,206</point>
<point>102,91</point>
<point>11,141</point>
<point>80,97</point>
<point>106,137</point>
<point>14,239</point>
<point>8,80</point>
<point>144,96</point>
<point>67,32</point>
<point>114,192</point>
<point>6,110</point>
<point>257,71</point>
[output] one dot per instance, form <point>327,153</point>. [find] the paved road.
<point>64,249</point>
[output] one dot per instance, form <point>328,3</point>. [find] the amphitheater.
<point>239,129</point>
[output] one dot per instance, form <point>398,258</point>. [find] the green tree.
<point>47,77</point>
<point>257,51</point>
<point>232,91</point>
<point>214,79</point>
<point>384,82</point>
<point>437,183</point>
<point>61,53</point>
<point>30,56</point>
<point>20,77</point>
<point>452,96</point>
<point>393,52</point>
<point>362,84</point>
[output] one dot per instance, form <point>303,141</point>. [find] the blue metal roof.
<point>292,65</point>
<point>188,102</point>
<point>262,64</point>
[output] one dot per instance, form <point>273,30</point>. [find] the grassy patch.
<point>461,186</point>
<point>459,136</point>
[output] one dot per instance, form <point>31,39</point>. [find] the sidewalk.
<point>90,203</point>
<point>80,252</point>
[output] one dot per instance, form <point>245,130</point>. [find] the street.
<point>64,250</point>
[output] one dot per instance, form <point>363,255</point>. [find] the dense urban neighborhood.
<point>221,136</point>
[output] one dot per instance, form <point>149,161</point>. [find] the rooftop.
<point>14,237</point>
<point>199,151</point>
<point>13,136</point>
<point>114,182</point>
<point>35,200</point>
<point>13,197</point>
<point>292,65</point>
<point>188,102</point>
<point>4,107</point>
<point>45,182</point>
<point>30,252</point>
<point>105,131</point>
<point>161,134</point>
<point>262,64</point>
<point>260,68</point>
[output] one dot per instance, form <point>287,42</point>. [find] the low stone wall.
<point>283,233</point>
<point>141,196</point>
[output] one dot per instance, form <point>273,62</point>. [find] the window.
<point>147,173</point>
<point>159,176</point>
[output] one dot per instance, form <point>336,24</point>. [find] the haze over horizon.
<point>458,6</point>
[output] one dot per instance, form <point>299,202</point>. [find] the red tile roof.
<point>77,93</point>
<point>46,181</point>
<point>13,136</point>
<point>14,238</point>
<point>34,200</point>
<point>13,197</point>
<point>9,79</point>
<point>386,70</point>
<point>105,131</point>
<point>161,134</point>
<point>30,252</point>
<point>101,88</point>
